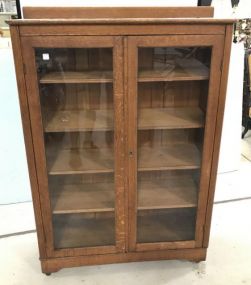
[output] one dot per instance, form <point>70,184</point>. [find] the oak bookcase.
<point>122,111</point>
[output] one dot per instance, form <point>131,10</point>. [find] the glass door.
<point>173,89</point>
<point>77,88</point>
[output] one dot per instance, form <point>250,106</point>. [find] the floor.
<point>228,260</point>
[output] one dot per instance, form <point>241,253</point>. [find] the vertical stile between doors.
<point>120,212</point>
<point>132,141</point>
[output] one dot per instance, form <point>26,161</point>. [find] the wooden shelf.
<point>185,69</point>
<point>179,156</point>
<point>67,161</point>
<point>83,198</point>
<point>168,225</point>
<point>170,118</point>
<point>149,118</point>
<point>80,230</point>
<point>173,192</point>
<point>97,76</point>
<point>73,120</point>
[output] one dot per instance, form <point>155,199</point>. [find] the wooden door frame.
<point>217,44</point>
<point>28,44</point>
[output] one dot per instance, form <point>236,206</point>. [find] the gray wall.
<point>14,181</point>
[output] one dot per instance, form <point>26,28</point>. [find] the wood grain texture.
<point>119,144</point>
<point>127,21</point>
<point>67,41</point>
<point>126,147</point>
<point>55,264</point>
<point>38,140</point>
<point>116,12</point>
<point>209,133</point>
<point>171,245</point>
<point>121,30</point>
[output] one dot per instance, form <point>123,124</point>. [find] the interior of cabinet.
<point>167,225</point>
<point>173,89</point>
<point>76,94</point>
<point>84,230</point>
<point>82,193</point>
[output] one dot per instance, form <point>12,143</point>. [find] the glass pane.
<point>76,95</point>
<point>172,102</point>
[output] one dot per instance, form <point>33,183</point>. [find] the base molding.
<point>50,265</point>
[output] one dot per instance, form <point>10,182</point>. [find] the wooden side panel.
<point>209,133</point>
<point>38,140</point>
<point>116,12</point>
<point>25,114</point>
<point>218,130</point>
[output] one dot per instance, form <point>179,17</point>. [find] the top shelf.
<point>94,76</point>
<point>175,75</point>
<point>184,70</point>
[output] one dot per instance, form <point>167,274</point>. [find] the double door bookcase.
<point>122,135</point>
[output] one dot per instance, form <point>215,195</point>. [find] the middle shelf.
<point>149,118</point>
<point>77,161</point>
<point>174,192</point>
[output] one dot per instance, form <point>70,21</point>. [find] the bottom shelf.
<point>83,230</point>
<point>166,225</point>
